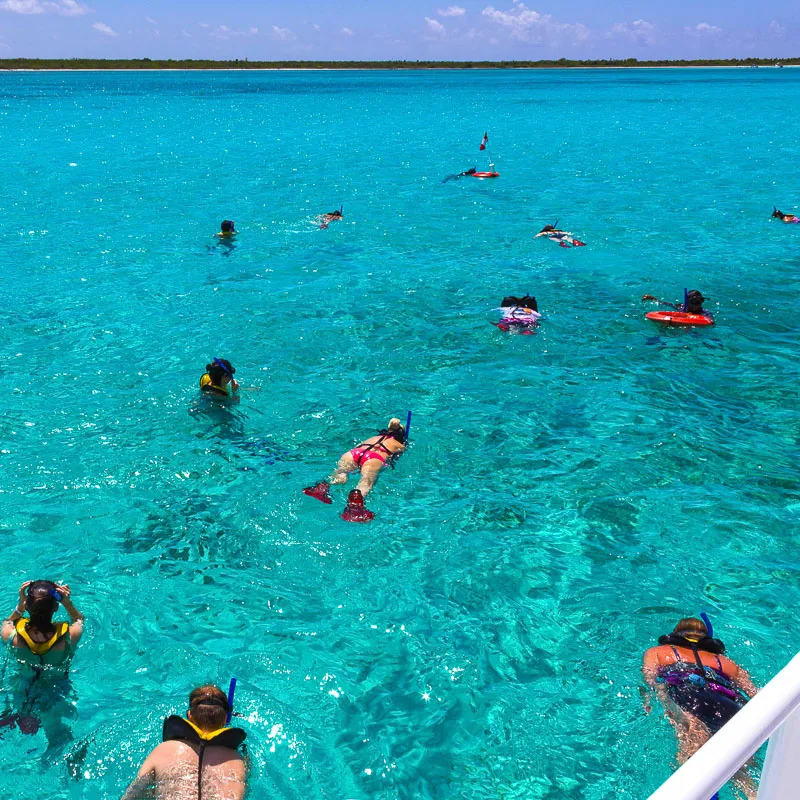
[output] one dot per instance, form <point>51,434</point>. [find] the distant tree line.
<point>146,63</point>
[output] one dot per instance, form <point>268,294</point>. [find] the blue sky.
<point>415,29</point>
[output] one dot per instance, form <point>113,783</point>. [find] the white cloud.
<point>434,26</point>
<point>452,11</point>
<point>68,8</point>
<point>203,24</point>
<point>150,20</point>
<point>285,34</point>
<point>224,32</point>
<point>704,29</point>
<point>22,6</point>
<point>316,27</point>
<point>522,23</point>
<point>106,30</point>
<point>776,29</point>
<point>346,32</point>
<point>640,31</point>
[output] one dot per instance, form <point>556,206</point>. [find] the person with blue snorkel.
<point>42,647</point>
<point>198,758</point>
<point>218,378</point>
<point>700,688</point>
<point>367,458</point>
<point>227,230</point>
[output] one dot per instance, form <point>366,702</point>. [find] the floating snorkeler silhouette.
<point>564,238</point>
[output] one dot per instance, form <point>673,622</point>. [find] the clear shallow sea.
<point>567,496</point>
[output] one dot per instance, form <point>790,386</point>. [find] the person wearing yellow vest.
<point>198,757</point>
<point>36,639</point>
<point>218,379</point>
<point>39,643</point>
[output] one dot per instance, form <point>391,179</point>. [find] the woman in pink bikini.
<point>369,458</point>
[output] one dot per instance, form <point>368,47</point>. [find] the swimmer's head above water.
<point>41,602</point>
<point>692,632</point>
<point>208,708</point>
<point>396,430</point>
<point>227,227</point>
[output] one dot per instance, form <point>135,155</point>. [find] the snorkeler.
<point>218,377</point>
<point>692,303</point>
<point>227,230</point>
<point>44,646</point>
<point>326,219</point>
<point>784,217</point>
<point>519,313</point>
<point>369,457</point>
<point>564,238</point>
<point>700,688</point>
<point>197,750</point>
<point>470,171</point>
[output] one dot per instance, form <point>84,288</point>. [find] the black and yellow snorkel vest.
<point>40,648</point>
<point>180,729</point>
<point>207,385</point>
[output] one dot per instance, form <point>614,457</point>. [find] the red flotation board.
<point>679,318</point>
<point>485,174</point>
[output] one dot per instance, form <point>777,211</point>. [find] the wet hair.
<point>209,707</point>
<point>396,430</point>
<point>227,226</point>
<point>776,213</point>
<point>694,301</point>
<point>528,301</point>
<point>547,228</point>
<point>692,633</point>
<point>217,373</point>
<point>691,627</point>
<point>41,604</point>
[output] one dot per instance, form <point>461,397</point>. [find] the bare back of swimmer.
<point>171,770</point>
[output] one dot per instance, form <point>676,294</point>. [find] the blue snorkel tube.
<point>408,425</point>
<point>231,693</point>
<point>685,298</point>
<point>223,367</point>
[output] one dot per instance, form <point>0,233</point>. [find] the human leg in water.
<point>321,490</point>
<point>355,511</point>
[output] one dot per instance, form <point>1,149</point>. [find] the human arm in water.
<point>652,297</point>
<point>10,622</point>
<point>650,665</point>
<point>75,617</point>
<point>145,780</point>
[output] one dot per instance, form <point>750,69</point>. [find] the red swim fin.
<point>320,491</point>
<point>355,511</point>
<point>502,326</point>
<point>28,724</point>
<point>578,243</point>
<point>562,243</point>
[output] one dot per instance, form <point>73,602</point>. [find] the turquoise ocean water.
<point>567,497</point>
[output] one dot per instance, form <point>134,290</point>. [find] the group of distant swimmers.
<point>699,687</point>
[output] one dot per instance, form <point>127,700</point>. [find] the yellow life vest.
<point>183,729</point>
<point>207,385</point>
<point>40,648</point>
